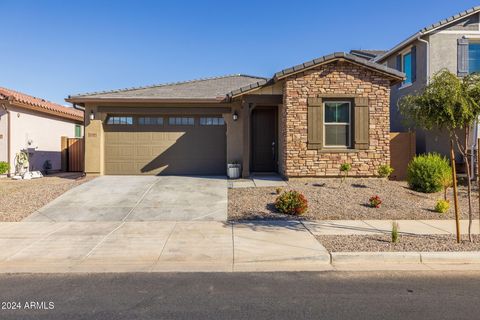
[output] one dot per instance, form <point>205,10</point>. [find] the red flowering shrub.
<point>291,202</point>
<point>375,201</point>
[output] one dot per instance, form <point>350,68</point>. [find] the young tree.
<point>447,103</point>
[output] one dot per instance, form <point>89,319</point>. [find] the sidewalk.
<point>212,246</point>
<point>159,246</point>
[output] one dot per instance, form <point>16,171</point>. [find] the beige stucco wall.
<point>340,78</point>
<point>39,132</point>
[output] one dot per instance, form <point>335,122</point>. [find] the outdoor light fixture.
<point>92,115</point>
<point>235,116</point>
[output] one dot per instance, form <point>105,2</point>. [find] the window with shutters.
<point>474,57</point>
<point>337,124</point>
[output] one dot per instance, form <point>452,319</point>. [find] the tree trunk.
<point>478,176</point>
<point>455,195</point>
<point>469,185</point>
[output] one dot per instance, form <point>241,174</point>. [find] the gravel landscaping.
<point>411,243</point>
<point>20,198</point>
<point>332,199</point>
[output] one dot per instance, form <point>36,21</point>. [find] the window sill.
<point>406,85</point>
<point>326,150</point>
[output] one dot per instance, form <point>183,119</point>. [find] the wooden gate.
<point>402,150</point>
<point>72,154</point>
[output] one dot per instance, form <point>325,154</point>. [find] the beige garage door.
<point>165,145</point>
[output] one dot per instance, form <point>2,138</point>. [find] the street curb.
<point>375,257</point>
<point>472,257</point>
<point>468,257</point>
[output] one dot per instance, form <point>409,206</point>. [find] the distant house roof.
<point>40,105</point>
<point>219,89</point>
<point>206,89</point>
<point>367,54</point>
<point>427,30</point>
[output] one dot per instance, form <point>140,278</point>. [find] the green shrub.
<point>4,167</point>
<point>395,232</point>
<point>291,202</point>
<point>442,206</point>
<point>278,190</point>
<point>385,171</point>
<point>345,169</point>
<point>427,173</point>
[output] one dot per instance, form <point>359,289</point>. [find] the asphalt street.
<point>306,295</point>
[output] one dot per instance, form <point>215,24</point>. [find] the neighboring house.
<point>453,44</point>
<point>35,125</point>
<point>304,121</point>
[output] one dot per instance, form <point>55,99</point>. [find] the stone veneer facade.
<point>343,78</point>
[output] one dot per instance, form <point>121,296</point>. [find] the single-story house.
<point>304,121</point>
<point>35,125</point>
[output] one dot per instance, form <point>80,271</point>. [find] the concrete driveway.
<point>140,198</point>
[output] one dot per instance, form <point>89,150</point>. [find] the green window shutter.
<point>315,123</point>
<point>361,126</point>
<point>78,131</point>
<point>462,57</point>
<point>399,62</point>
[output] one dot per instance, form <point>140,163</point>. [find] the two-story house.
<point>453,44</point>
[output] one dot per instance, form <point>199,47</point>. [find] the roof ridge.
<point>169,84</point>
<point>428,29</point>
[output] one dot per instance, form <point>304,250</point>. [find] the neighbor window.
<point>120,120</point>
<point>474,57</point>
<point>181,121</point>
<point>337,124</point>
<point>150,121</point>
<point>407,67</point>
<point>78,131</point>
<point>212,121</point>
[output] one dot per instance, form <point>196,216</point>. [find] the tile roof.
<point>428,30</point>
<point>41,105</point>
<point>215,88</point>
<point>367,54</point>
<point>322,60</point>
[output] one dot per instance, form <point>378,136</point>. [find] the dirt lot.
<point>330,198</point>
<point>19,198</point>
<point>382,243</point>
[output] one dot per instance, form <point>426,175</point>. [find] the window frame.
<point>206,124</point>
<point>405,83</point>
<point>474,42</point>
<point>181,124</point>
<point>349,124</point>
<point>150,124</point>
<point>121,124</point>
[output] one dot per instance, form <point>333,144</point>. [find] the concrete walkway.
<point>108,246</point>
<point>361,227</point>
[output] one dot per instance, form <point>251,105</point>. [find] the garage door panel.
<point>165,149</point>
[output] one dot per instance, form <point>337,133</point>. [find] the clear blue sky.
<point>51,49</point>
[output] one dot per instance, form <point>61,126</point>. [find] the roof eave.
<point>62,115</point>
<point>395,76</point>
<point>83,100</point>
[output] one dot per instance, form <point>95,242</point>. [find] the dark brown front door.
<point>264,139</point>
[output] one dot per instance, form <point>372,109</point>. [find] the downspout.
<point>8,137</point>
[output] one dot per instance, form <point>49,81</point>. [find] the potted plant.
<point>234,170</point>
